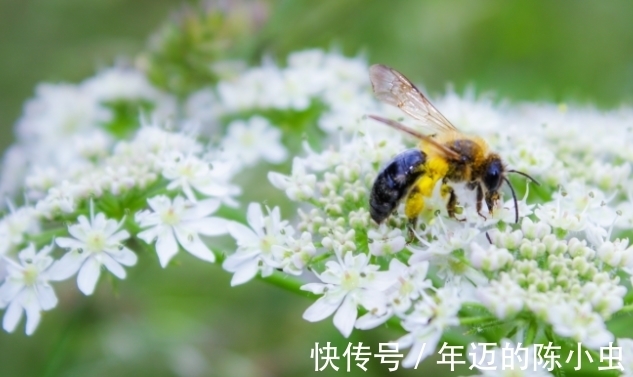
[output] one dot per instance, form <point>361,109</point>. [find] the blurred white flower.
<point>26,288</point>
<point>16,225</point>
<point>252,140</point>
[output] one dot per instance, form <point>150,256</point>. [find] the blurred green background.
<point>185,320</point>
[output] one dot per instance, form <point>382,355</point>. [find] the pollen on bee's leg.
<point>411,230</point>
<point>414,204</point>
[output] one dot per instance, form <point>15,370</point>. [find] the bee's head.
<point>493,173</point>
<point>493,176</point>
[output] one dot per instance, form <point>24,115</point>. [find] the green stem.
<point>470,321</point>
<point>530,334</point>
<point>320,258</point>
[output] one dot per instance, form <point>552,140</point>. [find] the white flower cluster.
<point>65,126</point>
<point>312,78</point>
<point>561,267</point>
<point>94,177</point>
<point>158,181</point>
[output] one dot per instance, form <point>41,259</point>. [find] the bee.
<point>443,154</point>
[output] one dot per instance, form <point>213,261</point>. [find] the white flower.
<point>409,284</point>
<point>299,185</point>
<point>348,283</point>
<point>26,288</point>
<point>295,254</point>
<point>385,240</point>
<point>256,244</point>
<point>426,323</point>
<point>490,258</point>
<point>188,172</point>
<point>16,225</point>
<point>57,111</point>
<point>181,222</point>
<point>59,199</point>
<point>579,322</point>
<point>559,218</point>
<point>96,242</point>
<point>503,297</point>
<point>12,170</point>
<point>119,83</point>
<point>249,141</point>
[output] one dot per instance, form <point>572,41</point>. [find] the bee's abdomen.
<point>393,182</point>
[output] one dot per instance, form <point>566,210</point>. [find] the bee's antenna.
<point>525,175</point>
<point>516,203</point>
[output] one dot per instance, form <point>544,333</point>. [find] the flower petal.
<point>88,276</point>
<point>370,321</point>
<point>201,209</point>
<point>255,217</point>
<point>118,236</point>
<point>321,309</point>
<point>12,316</point>
<point>166,247</point>
<point>150,234</point>
<point>113,266</point>
<point>316,288</point>
<point>46,296</point>
<point>421,349</point>
<point>67,266</point>
<point>234,261</point>
<point>278,180</point>
<point>69,243</point>
<point>192,243</point>
<point>9,290</point>
<point>33,316</point>
<point>246,272</point>
<point>346,316</point>
<point>243,235</point>
<point>125,256</point>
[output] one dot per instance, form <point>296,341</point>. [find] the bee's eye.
<point>492,178</point>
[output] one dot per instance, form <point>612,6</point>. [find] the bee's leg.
<point>413,222</point>
<point>412,208</point>
<point>480,199</point>
<point>451,204</point>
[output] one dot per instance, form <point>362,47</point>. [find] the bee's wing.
<point>391,87</point>
<point>441,149</point>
